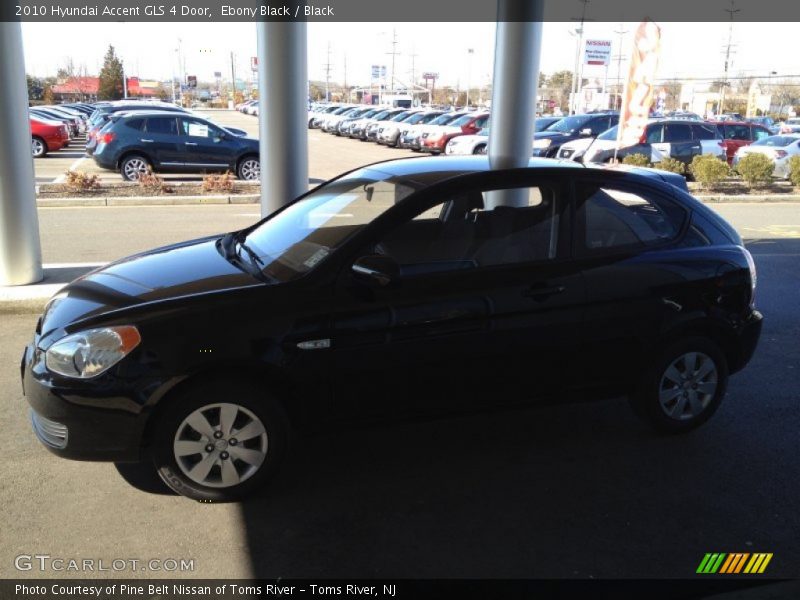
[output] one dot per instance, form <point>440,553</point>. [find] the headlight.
<point>541,143</point>
<point>88,353</point>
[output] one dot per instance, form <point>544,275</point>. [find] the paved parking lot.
<point>328,155</point>
<point>560,491</point>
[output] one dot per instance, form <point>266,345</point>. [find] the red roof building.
<point>85,88</point>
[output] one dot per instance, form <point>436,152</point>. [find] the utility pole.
<point>621,33</point>
<point>328,76</point>
<point>731,11</point>
<point>413,67</point>
<point>233,80</point>
<point>394,53</point>
<point>576,83</point>
<point>346,91</point>
<point>470,52</point>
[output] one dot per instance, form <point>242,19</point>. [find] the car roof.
<point>153,112</point>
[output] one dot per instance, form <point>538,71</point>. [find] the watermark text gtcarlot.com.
<point>46,563</point>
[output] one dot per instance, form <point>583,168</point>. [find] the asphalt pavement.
<point>582,490</point>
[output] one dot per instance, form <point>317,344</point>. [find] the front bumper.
<point>76,423</point>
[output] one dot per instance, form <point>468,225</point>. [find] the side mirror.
<point>586,132</point>
<point>376,269</point>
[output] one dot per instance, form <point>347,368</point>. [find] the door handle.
<point>190,143</point>
<point>147,141</point>
<point>541,293</point>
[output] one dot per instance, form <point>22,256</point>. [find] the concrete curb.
<point>717,198</point>
<point>170,200</point>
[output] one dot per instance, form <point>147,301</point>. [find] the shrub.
<point>670,164</point>
<point>794,170</point>
<point>709,170</point>
<point>81,182</point>
<point>222,182</point>
<point>153,184</point>
<point>755,169</point>
<point>637,160</point>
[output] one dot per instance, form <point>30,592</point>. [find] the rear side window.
<point>737,132</point>
<point>704,132</point>
<point>613,218</point>
<point>655,133</point>
<point>162,125</point>
<point>760,134</point>
<point>136,124</point>
<point>678,132</point>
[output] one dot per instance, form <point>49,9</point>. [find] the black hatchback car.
<point>403,288</point>
<point>588,126</point>
<point>159,141</point>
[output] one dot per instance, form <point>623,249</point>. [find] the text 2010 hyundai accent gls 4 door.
<point>402,288</point>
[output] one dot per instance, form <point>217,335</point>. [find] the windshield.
<point>303,235</point>
<point>776,141</point>
<point>610,134</point>
<point>401,116</point>
<point>444,119</point>
<point>569,124</point>
<point>414,119</point>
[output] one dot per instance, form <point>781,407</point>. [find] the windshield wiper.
<point>228,244</point>
<point>239,238</point>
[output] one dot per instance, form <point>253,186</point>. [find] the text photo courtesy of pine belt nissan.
<point>408,287</point>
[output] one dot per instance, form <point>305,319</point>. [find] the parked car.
<point>435,139</point>
<point>736,134</point>
<point>47,136</point>
<point>320,120</point>
<point>315,113</point>
<point>389,133</point>
<point>589,125</point>
<point>331,125</point>
<point>479,142</point>
<point>160,141</point>
<point>51,115</point>
<point>767,122</point>
<point>662,138</point>
<point>103,113</point>
<point>362,127</point>
<point>778,148</point>
<point>791,125</point>
<point>371,130</point>
<point>345,126</point>
<point>414,142</point>
<point>398,277</point>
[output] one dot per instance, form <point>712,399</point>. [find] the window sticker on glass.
<point>319,255</point>
<point>198,129</point>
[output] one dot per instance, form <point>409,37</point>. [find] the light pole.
<point>576,83</point>
<point>470,52</point>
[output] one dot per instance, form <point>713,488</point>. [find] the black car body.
<point>418,298</point>
<point>571,128</point>
<point>175,143</point>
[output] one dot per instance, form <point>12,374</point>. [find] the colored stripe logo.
<point>734,563</point>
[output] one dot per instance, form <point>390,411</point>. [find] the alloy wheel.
<point>38,147</point>
<point>135,168</point>
<point>250,169</point>
<point>220,445</point>
<point>688,386</point>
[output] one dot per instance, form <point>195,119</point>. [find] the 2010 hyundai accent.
<point>405,287</point>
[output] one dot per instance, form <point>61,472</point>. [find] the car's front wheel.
<point>249,169</point>
<point>39,147</point>
<point>684,387</point>
<point>219,442</point>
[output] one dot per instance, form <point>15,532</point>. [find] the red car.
<point>47,136</point>
<point>434,139</point>
<point>736,134</point>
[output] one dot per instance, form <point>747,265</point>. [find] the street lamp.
<point>470,52</point>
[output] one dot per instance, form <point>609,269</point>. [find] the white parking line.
<point>72,167</point>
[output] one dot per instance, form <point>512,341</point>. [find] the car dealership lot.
<point>573,491</point>
<point>328,155</point>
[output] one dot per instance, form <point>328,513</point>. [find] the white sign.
<point>378,72</point>
<point>597,52</point>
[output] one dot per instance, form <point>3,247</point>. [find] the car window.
<point>677,132</point>
<point>467,232</point>
<point>479,123</point>
<point>760,134</point>
<point>737,132</point>
<point>614,219</point>
<point>196,128</point>
<point>162,125</point>
<point>136,124</point>
<point>655,133</point>
<point>598,126</point>
<point>702,131</point>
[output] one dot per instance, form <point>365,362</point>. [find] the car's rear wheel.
<point>480,149</point>
<point>38,147</point>
<point>684,387</point>
<point>133,167</point>
<point>249,169</point>
<point>220,442</point>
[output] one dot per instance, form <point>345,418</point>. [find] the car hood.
<point>177,271</point>
<point>555,136</point>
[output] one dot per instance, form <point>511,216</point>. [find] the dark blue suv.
<point>160,141</point>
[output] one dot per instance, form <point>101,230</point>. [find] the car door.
<point>678,143</point>
<point>486,308</point>
<point>736,136</point>
<point>205,145</point>
<point>160,140</point>
<point>623,235</point>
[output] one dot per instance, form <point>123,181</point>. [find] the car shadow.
<point>143,477</point>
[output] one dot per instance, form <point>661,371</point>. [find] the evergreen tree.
<point>110,86</point>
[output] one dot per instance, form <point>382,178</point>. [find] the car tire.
<point>480,149</point>
<point>134,166</point>
<point>38,147</point>
<point>249,169</point>
<point>215,453</point>
<point>684,387</point>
